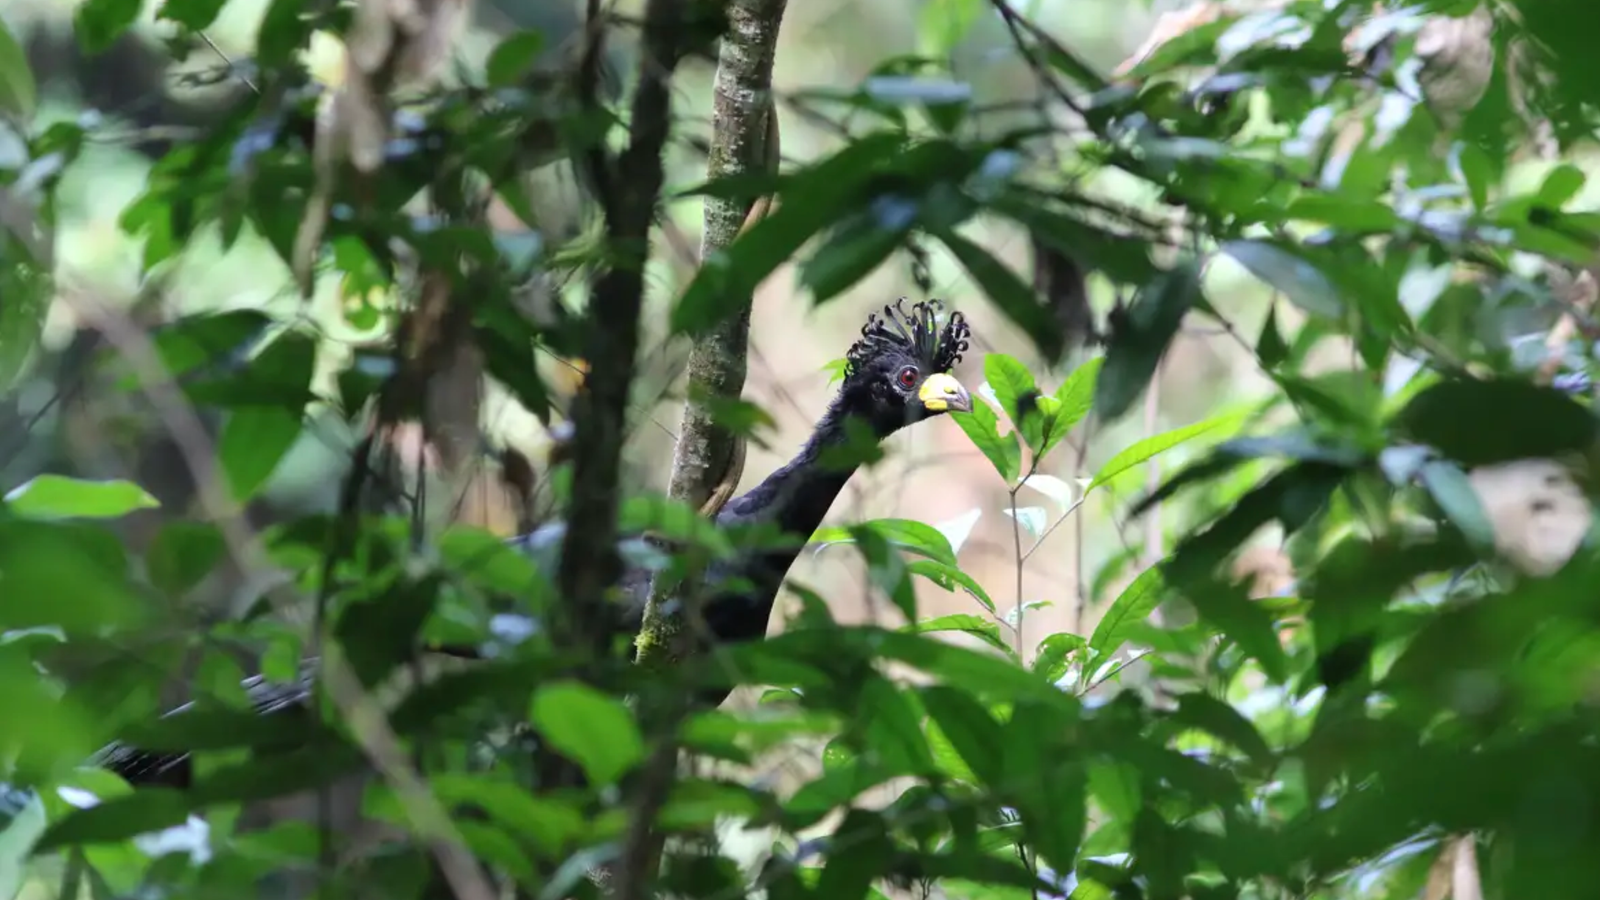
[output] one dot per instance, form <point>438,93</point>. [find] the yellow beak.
<point>943,393</point>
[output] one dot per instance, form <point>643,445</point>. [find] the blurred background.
<point>144,95</point>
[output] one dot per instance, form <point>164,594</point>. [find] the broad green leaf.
<point>1008,292</point>
<point>209,338</point>
<point>151,809</point>
<point>195,15</point>
<point>1010,380</point>
<point>1246,622</point>
<point>1140,336</point>
<point>591,728</point>
<point>983,428</point>
<point>1132,606</point>
<point>942,24</point>
<point>18,92</point>
<point>1054,656</point>
<point>512,58</point>
<point>984,629</point>
<point>1479,422</point>
<point>1561,185</point>
<point>813,199</point>
<point>1076,396</point>
<point>1349,214</point>
<point>950,577</point>
<point>862,851</point>
<point>1303,283</point>
<point>855,249</point>
<point>1144,450</point>
<point>60,497</point>
<point>908,534</point>
<point>970,729</point>
<point>1053,795</point>
<point>253,442</point>
<point>99,23</point>
<point>1206,713</point>
<point>1452,490</point>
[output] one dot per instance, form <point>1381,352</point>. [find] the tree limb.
<point>589,561</point>
<point>708,459</point>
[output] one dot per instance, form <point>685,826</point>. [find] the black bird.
<point>896,374</point>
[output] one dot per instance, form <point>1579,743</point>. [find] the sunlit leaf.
<point>589,727</point>
<point>1133,605</point>
<point>1150,447</point>
<point>18,92</point>
<point>60,497</point>
<point>982,426</point>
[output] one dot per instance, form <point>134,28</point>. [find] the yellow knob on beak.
<point>943,393</point>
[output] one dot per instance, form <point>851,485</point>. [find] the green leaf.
<point>854,250</point>
<point>194,15</point>
<point>861,852</point>
<point>591,728</point>
<point>1204,712</point>
<point>1480,422</point>
<point>99,23</point>
<point>1140,336</point>
<point>1008,292</point>
<point>950,577</point>
<point>1561,185</point>
<point>970,729</point>
<point>983,429</point>
<point>60,497</point>
<point>1452,490</point>
<point>252,444</point>
<point>18,92</point>
<point>1131,607</point>
<point>1076,396</point>
<point>194,340</point>
<point>1054,802</point>
<point>984,629</point>
<point>1346,213</point>
<point>512,58</point>
<point>1246,622</point>
<point>72,575</point>
<point>1281,267</point>
<point>942,24</point>
<point>813,199</point>
<point>151,809</point>
<point>1010,380</point>
<point>1150,447</point>
<point>1055,653</point>
<point>908,534</point>
<point>1270,347</point>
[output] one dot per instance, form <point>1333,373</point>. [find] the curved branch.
<point>708,459</point>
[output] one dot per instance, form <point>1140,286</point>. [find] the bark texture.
<point>744,138</point>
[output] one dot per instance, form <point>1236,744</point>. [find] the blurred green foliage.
<point>1422,680</point>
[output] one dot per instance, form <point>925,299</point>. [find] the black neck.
<point>798,495</point>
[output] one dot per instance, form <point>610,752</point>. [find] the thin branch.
<point>589,561</point>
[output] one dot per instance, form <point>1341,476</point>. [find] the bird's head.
<point>899,371</point>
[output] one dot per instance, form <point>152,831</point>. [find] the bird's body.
<point>897,374</point>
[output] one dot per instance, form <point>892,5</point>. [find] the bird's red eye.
<point>908,376</point>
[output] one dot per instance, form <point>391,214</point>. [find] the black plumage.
<point>896,374</point>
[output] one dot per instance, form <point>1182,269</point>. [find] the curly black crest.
<point>917,331</point>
